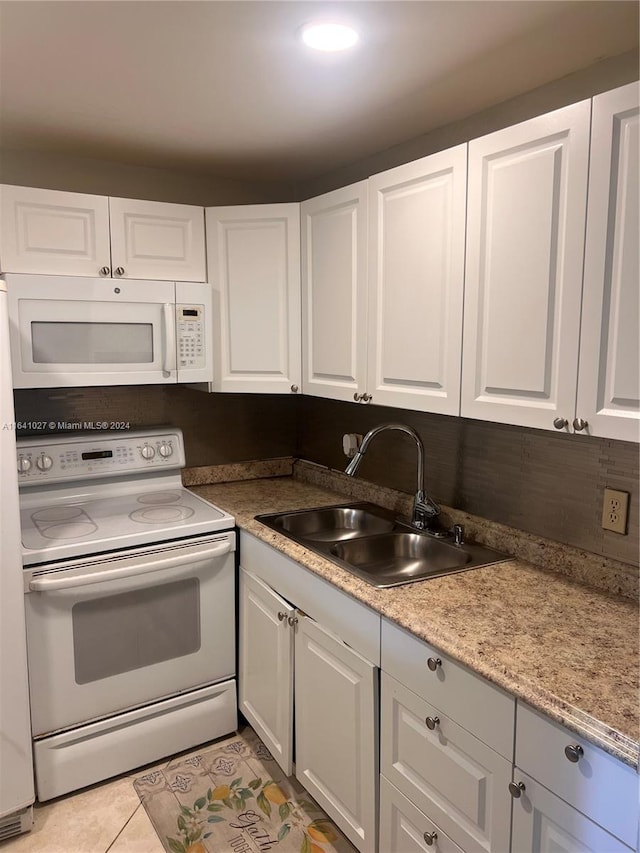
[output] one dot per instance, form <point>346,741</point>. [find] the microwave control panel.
<point>191,337</point>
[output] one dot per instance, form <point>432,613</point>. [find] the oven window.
<point>123,632</point>
<point>92,343</point>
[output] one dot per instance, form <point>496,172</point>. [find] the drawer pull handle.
<point>516,789</point>
<point>432,722</point>
<point>574,753</point>
<point>430,838</point>
<point>281,616</point>
<point>433,663</point>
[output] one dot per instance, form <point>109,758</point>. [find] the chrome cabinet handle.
<point>357,397</point>
<point>516,789</point>
<point>119,270</point>
<point>430,838</point>
<point>433,663</point>
<point>432,722</point>
<point>560,423</point>
<point>281,616</point>
<point>574,752</point>
<point>367,397</point>
<point>579,424</point>
<point>294,389</point>
<point>292,620</point>
<point>105,270</point>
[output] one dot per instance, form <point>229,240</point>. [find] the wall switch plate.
<point>615,510</point>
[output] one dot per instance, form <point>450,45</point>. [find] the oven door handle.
<point>54,584</point>
<point>170,362</point>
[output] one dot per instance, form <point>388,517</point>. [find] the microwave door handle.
<point>169,363</point>
<point>54,584</point>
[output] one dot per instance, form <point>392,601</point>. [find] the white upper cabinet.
<point>253,256</point>
<point>334,293</point>
<point>527,198</point>
<point>61,233</point>
<point>45,231</point>
<point>609,375</point>
<point>416,278</point>
<point>151,239</point>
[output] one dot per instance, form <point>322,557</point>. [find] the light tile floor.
<point>104,818</point>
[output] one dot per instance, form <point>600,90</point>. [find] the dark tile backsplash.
<point>544,483</point>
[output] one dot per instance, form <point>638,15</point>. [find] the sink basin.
<point>333,524</point>
<point>373,544</point>
<point>394,558</point>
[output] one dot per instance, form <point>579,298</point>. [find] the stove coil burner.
<point>63,522</point>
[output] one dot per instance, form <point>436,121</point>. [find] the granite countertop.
<point>568,650</point>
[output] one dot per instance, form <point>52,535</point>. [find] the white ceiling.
<point>227,88</point>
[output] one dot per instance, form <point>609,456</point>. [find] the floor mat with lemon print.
<point>235,799</point>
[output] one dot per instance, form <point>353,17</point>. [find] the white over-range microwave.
<point>73,331</point>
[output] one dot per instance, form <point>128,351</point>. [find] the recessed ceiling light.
<point>330,37</point>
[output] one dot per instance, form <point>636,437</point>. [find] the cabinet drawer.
<point>483,709</point>
<point>598,785</point>
<point>403,827</point>
<point>457,781</point>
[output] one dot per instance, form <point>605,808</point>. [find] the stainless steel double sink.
<point>370,542</point>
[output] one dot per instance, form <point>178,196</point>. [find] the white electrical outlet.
<point>615,509</point>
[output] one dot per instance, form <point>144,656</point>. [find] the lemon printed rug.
<point>235,799</point>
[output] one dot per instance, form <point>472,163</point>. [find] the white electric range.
<point>130,605</point>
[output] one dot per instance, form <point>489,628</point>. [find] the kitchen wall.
<point>218,428</point>
<point>597,78</point>
<point>547,484</point>
<point>103,177</point>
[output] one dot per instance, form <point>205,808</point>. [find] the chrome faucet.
<point>425,511</point>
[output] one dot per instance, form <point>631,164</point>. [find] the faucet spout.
<point>424,508</point>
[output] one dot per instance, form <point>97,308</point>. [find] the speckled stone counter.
<point>567,649</point>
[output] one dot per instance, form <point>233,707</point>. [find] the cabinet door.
<point>266,666</point>
<point>525,241</point>
<point>543,823</point>
<point>57,233</point>
<point>457,781</point>
<point>254,268</point>
<point>609,375</point>
<point>153,239</point>
<point>416,274</point>
<point>337,731</point>
<point>334,296</point>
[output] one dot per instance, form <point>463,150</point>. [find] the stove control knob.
<point>24,464</point>
<point>147,451</point>
<point>44,462</point>
<point>165,450</point>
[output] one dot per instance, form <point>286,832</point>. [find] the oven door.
<point>115,633</point>
<point>85,331</point>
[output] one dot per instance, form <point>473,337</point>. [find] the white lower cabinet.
<point>311,633</point>
<point>405,829</point>
<point>543,823</point>
<point>454,778</point>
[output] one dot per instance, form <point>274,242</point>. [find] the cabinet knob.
<point>119,270</point>
<point>430,838</point>
<point>574,752</point>
<point>292,620</point>
<point>579,424</point>
<point>281,616</point>
<point>432,722</point>
<point>294,389</point>
<point>560,423</point>
<point>366,398</point>
<point>433,663</point>
<point>357,397</point>
<point>105,270</point>
<point>516,789</point>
